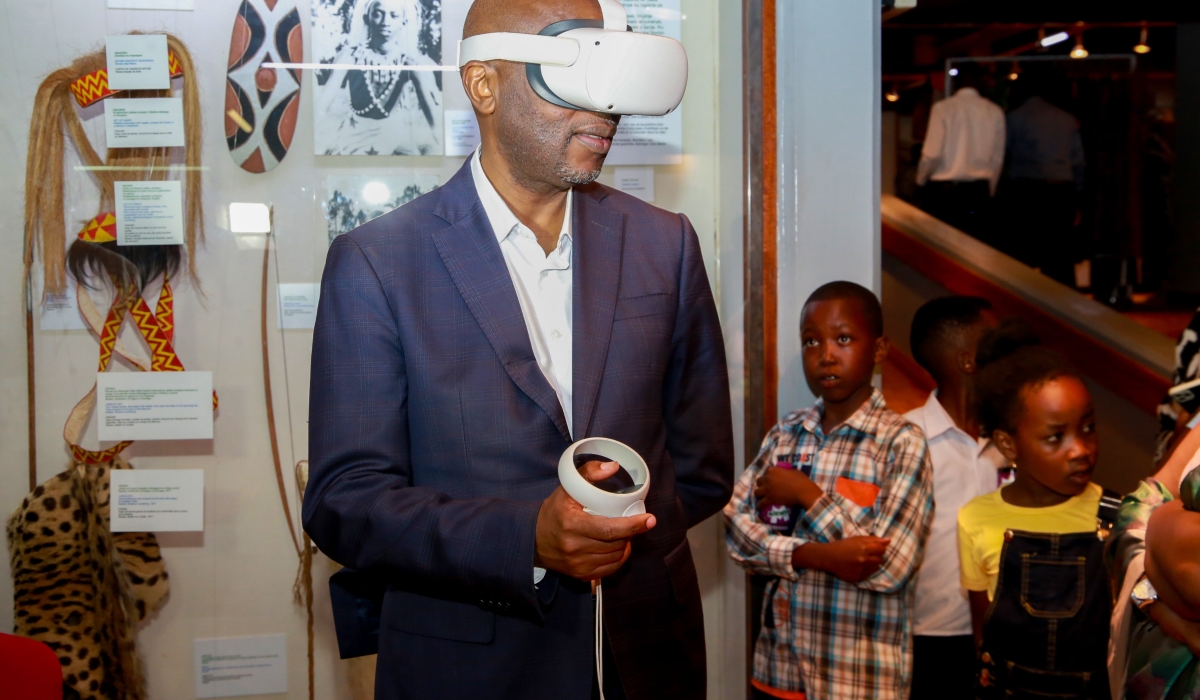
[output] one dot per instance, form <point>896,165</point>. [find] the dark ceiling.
<point>985,12</point>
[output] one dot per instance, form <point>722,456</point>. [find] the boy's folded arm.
<point>905,509</point>
<point>752,544</point>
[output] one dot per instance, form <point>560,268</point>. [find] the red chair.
<point>30,669</point>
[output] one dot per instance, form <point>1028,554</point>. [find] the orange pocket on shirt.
<point>859,492</point>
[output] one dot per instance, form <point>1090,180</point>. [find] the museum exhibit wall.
<point>235,578</point>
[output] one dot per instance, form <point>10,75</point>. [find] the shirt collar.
<point>968,91</point>
<point>863,420</point>
<point>935,418</point>
<point>501,218</point>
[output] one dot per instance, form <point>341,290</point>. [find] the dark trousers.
<point>1039,226</point>
<point>944,668</point>
<point>966,205</point>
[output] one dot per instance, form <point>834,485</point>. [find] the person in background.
<point>1043,181</point>
<point>1032,552</point>
<point>1172,419</point>
<point>945,333</point>
<point>1155,545</point>
<point>837,620</point>
<point>962,156</point>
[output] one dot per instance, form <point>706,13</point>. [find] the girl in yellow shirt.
<point>1032,552</point>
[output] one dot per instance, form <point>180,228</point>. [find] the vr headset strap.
<point>614,15</point>
<point>522,48</point>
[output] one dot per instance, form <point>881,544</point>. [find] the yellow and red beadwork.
<point>93,87</point>
<point>101,229</point>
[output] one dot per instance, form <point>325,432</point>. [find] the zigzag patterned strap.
<point>162,358</point>
<point>164,311</point>
<point>93,87</point>
<point>108,339</point>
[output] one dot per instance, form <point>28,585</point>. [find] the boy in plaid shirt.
<point>858,483</point>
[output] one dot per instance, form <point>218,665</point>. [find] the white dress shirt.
<point>963,468</point>
<point>964,141</point>
<point>543,285</point>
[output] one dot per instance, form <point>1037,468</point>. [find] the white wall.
<point>235,578</point>
<point>829,104</point>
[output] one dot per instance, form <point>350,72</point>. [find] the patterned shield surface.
<point>261,103</point>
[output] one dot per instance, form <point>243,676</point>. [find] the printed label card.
<point>149,213</point>
<point>154,406</point>
<point>137,62</point>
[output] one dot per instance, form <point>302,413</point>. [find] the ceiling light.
<point>892,95</point>
<point>1054,39</point>
<point>1079,51</point>
<point>953,71</point>
<point>1142,46</point>
<point>1015,72</point>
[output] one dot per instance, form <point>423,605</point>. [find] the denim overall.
<point>1045,634</point>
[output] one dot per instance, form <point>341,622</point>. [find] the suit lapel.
<point>471,253</point>
<point>599,235</point>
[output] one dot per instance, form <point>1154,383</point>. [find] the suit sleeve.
<point>361,507</point>
<point>696,407</point>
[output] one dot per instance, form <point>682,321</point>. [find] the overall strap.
<point>1106,512</point>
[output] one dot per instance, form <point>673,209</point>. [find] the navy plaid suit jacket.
<point>434,437</point>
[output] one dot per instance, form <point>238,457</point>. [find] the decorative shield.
<point>261,103</point>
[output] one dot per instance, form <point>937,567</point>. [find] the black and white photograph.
<point>353,200</point>
<point>380,109</point>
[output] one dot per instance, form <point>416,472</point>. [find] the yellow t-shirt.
<point>982,522</point>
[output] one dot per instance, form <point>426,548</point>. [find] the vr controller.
<point>626,499</point>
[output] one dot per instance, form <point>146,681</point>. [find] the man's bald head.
<point>525,16</point>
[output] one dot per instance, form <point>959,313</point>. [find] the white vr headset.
<point>592,65</point>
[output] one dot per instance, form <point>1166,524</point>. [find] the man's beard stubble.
<point>535,148</point>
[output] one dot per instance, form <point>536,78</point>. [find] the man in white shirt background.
<point>962,156</point>
<point>945,333</point>
<point>1044,178</point>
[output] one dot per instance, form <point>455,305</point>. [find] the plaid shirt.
<point>832,639</point>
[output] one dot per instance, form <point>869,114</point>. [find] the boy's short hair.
<point>866,299</point>
<point>937,321</point>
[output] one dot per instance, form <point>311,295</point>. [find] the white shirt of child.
<point>963,468</point>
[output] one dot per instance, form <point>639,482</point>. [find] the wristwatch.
<point>1143,594</point>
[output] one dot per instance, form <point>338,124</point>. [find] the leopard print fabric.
<point>79,588</point>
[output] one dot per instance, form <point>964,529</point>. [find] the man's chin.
<point>578,176</point>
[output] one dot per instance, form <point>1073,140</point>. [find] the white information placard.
<point>231,666</point>
<point>638,182</point>
<point>156,500</point>
<point>154,406</point>
<point>137,61</point>
<point>149,213</point>
<point>298,304</point>
<point>144,122</point>
<point>651,140</point>
<point>60,312</point>
<point>462,132</point>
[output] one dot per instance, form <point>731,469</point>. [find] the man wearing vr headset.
<point>466,339</point>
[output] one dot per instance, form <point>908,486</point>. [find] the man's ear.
<point>882,345</point>
<point>1006,443</point>
<point>965,360</point>
<point>480,82</point>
